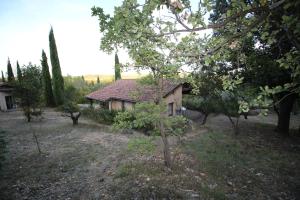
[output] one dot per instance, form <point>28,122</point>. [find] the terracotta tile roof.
<point>130,90</point>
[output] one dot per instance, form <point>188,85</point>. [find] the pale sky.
<point>24,31</point>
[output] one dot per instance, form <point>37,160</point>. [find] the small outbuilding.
<point>7,101</point>
<point>124,94</point>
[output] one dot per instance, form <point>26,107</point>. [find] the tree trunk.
<point>167,154</point>
<point>28,116</point>
<point>235,125</point>
<point>285,109</point>
<point>75,118</point>
<point>37,143</point>
<point>204,119</point>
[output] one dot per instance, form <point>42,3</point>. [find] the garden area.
<point>91,161</point>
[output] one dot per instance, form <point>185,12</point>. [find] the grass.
<point>245,167</point>
<point>141,145</point>
<point>2,148</point>
<point>257,164</point>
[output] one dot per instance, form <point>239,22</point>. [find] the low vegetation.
<point>2,148</point>
<point>103,116</point>
<point>216,165</point>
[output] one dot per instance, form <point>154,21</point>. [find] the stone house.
<point>124,94</point>
<point>7,101</point>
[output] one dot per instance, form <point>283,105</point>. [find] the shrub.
<point>103,116</point>
<point>145,117</point>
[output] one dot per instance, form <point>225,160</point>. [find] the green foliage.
<point>10,74</point>
<point>47,83</point>
<point>57,78</point>
<point>70,107</point>
<point>82,88</point>
<point>141,145</point>
<point>146,117</point>
<point>2,76</point>
<point>199,103</point>
<point>124,120</point>
<point>19,72</point>
<point>70,93</point>
<point>117,68</point>
<point>29,90</point>
<point>103,116</point>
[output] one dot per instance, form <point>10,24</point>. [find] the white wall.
<point>2,101</point>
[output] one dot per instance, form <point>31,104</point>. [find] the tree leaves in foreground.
<point>272,26</point>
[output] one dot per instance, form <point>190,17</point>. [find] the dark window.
<point>170,109</point>
<point>9,102</point>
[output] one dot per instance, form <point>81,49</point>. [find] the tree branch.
<point>267,9</point>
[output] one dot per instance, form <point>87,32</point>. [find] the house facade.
<point>124,94</point>
<point>7,101</point>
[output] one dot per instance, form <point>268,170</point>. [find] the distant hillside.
<point>104,78</point>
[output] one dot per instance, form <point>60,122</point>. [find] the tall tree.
<point>19,72</point>
<point>3,78</point>
<point>47,83</point>
<point>117,67</point>
<point>98,80</point>
<point>58,81</point>
<point>10,73</point>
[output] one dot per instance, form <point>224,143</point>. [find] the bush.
<point>103,116</point>
<point>146,116</point>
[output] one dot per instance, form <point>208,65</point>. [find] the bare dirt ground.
<point>89,161</point>
<point>76,161</point>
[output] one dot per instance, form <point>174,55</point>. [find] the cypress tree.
<point>98,80</point>
<point>3,78</point>
<point>58,81</point>
<point>10,74</point>
<point>48,93</point>
<point>117,67</point>
<point>19,72</point>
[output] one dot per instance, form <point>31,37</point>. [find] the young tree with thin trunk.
<point>70,107</point>
<point>10,74</point>
<point>57,78</point>
<point>29,91</point>
<point>146,54</point>
<point>117,68</point>
<point>47,83</point>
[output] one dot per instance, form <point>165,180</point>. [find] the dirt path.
<point>76,162</point>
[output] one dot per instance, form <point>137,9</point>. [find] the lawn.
<point>89,161</point>
<point>215,164</point>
